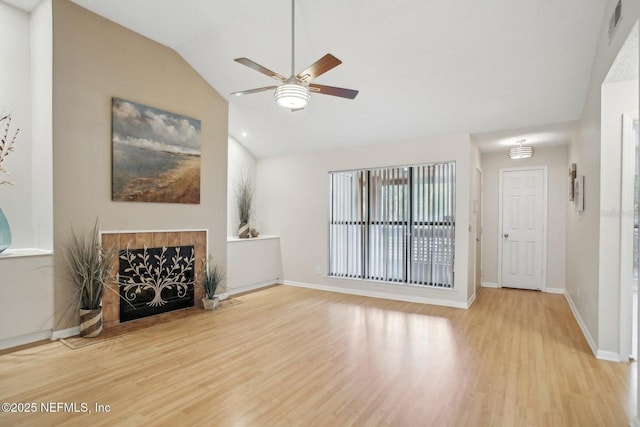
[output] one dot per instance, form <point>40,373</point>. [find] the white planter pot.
<point>210,304</point>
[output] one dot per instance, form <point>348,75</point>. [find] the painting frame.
<point>572,181</point>
<point>156,154</point>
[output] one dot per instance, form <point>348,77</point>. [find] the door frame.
<point>478,211</point>
<point>627,169</point>
<point>545,190</point>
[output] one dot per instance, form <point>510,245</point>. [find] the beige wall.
<point>556,161</point>
<point>583,228</point>
<point>94,60</point>
<point>293,191</point>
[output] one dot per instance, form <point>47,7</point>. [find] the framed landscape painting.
<point>156,155</point>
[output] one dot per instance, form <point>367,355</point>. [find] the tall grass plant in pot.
<point>89,266</point>
<point>244,194</point>
<point>213,275</point>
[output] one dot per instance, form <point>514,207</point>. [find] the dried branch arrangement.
<point>6,144</point>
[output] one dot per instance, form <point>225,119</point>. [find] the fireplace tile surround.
<point>138,240</point>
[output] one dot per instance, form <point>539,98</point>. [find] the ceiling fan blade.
<point>250,91</point>
<point>335,91</point>
<point>259,68</point>
<point>319,67</point>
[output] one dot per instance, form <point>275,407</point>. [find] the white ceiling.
<point>422,67</point>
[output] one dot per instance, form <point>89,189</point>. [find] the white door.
<point>523,214</point>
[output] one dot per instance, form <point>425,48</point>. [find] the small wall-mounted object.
<point>579,193</point>
<point>572,179</point>
<point>616,16</point>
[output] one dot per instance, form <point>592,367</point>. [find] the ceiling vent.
<point>615,19</point>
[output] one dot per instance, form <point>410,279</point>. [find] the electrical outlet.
<point>318,270</point>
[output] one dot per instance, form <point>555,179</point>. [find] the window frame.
<point>410,222</point>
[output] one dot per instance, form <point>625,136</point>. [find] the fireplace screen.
<point>155,280</point>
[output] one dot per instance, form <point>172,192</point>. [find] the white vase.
<point>5,232</point>
<point>210,304</point>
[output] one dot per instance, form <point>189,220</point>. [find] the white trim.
<point>477,210</point>
<point>65,333</point>
<point>625,219</point>
<point>252,287</point>
<point>609,356</point>
<point>471,299</point>
<point>635,422</point>
<point>223,296</point>
<point>583,326</point>
<point>24,339</point>
<point>545,213</point>
<point>233,239</point>
<point>559,291</point>
<point>383,295</point>
<point>177,230</point>
<point>25,252</point>
<point>489,285</point>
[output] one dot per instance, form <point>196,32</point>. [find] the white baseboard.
<point>223,296</point>
<point>489,285</point>
<point>65,333</point>
<point>559,291</point>
<point>582,325</point>
<point>635,422</point>
<point>373,294</point>
<point>24,339</point>
<point>252,287</point>
<point>471,300</point>
<point>610,356</point>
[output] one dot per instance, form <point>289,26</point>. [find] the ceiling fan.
<point>294,92</point>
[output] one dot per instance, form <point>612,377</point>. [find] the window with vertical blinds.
<point>394,224</point>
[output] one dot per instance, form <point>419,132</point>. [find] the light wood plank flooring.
<point>298,357</point>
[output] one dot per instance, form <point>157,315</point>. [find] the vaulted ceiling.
<point>493,67</point>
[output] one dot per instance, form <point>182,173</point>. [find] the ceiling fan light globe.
<point>292,96</point>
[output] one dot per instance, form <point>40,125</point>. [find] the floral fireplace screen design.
<point>155,280</point>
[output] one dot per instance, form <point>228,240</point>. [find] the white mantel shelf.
<point>231,239</point>
<point>26,252</point>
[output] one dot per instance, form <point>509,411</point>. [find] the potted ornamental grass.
<point>90,269</point>
<point>244,194</point>
<point>212,276</point>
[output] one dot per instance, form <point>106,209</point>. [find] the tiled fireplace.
<point>188,246</point>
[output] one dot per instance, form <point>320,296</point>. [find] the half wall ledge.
<point>25,252</point>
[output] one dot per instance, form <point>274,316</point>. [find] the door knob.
<point>506,235</point>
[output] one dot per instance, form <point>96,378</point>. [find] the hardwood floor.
<point>293,356</point>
